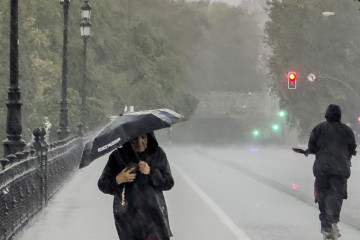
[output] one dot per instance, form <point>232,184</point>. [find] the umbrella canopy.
<point>125,127</point>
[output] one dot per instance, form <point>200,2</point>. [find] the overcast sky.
<point>232,2</point>
<point>236,2</point>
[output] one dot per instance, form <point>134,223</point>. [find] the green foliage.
<point>305,41</point>
<point>184,103</point>
<point>227,57</point>
<point>150,54</point>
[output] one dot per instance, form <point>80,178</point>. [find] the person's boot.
<point>335,230</point>
<point>327,235</point>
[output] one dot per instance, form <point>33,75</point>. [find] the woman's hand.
<point>125,176</point>
<point>144,167</point>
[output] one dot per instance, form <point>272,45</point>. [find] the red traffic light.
<point>358,119</point>
<point>291,76</point>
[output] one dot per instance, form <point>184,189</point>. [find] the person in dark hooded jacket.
<point>136,175</point>
<point>333,144</point>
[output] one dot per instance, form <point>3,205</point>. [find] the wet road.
<point>223,194</point>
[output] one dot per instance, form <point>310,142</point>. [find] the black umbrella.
<point>125,127</point>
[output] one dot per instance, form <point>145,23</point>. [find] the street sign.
<point>311,77</point>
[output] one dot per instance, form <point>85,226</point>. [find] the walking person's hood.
<point>333,113</point>
<point>151,148</point>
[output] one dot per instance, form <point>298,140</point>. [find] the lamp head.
<point>62,2</point>
<point>86,11</point>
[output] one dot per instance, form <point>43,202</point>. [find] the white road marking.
<point>240,235</point>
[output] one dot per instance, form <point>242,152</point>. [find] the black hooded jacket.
<point>145,213</point>
<point>333,144</point>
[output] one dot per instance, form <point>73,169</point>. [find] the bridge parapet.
<point>30,178</point>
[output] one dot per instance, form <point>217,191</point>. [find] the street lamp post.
<point>85,27</point>
<point>63,132</point>
<point>14,143</point>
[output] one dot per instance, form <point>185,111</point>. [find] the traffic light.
<point>275,127</point>
<point>256,133</point>
<point>292,78</point>
<point>282,114</point>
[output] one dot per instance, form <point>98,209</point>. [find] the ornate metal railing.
<point>29,179</point>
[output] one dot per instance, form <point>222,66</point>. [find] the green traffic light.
<point>276,127</point>
<point>256,133</point>
<point>282,114</point>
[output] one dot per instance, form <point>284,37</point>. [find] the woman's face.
<point>139,144</point>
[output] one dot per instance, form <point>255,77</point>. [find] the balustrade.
<point>28,179</point>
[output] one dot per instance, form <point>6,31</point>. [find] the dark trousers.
<point>145,239</point>
<point>124,236</point>
<point>331,191</point>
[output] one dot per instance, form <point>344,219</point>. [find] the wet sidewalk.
<point>79,211</point>
<point>211,200</point>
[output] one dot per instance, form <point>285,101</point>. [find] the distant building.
<point>235,105</point>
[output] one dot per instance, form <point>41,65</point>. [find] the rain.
<point>241,118</point>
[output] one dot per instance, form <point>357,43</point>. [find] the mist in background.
<point>228,75</point>
<point>206,60</point>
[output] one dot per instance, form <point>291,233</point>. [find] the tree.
<point>141,54</point>
<point>227,57</point>
<point>303,40</point>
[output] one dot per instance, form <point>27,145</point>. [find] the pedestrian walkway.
<point>211,200</point>
<point>80,211</point>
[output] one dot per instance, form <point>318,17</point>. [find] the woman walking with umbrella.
<point>136,175</point>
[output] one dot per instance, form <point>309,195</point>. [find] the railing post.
<point>3,163</point>
<point>80,132</point>
<point>41,147</point>
<point>12,158</point>
<point>36,144</point>
<point>44,150</point>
